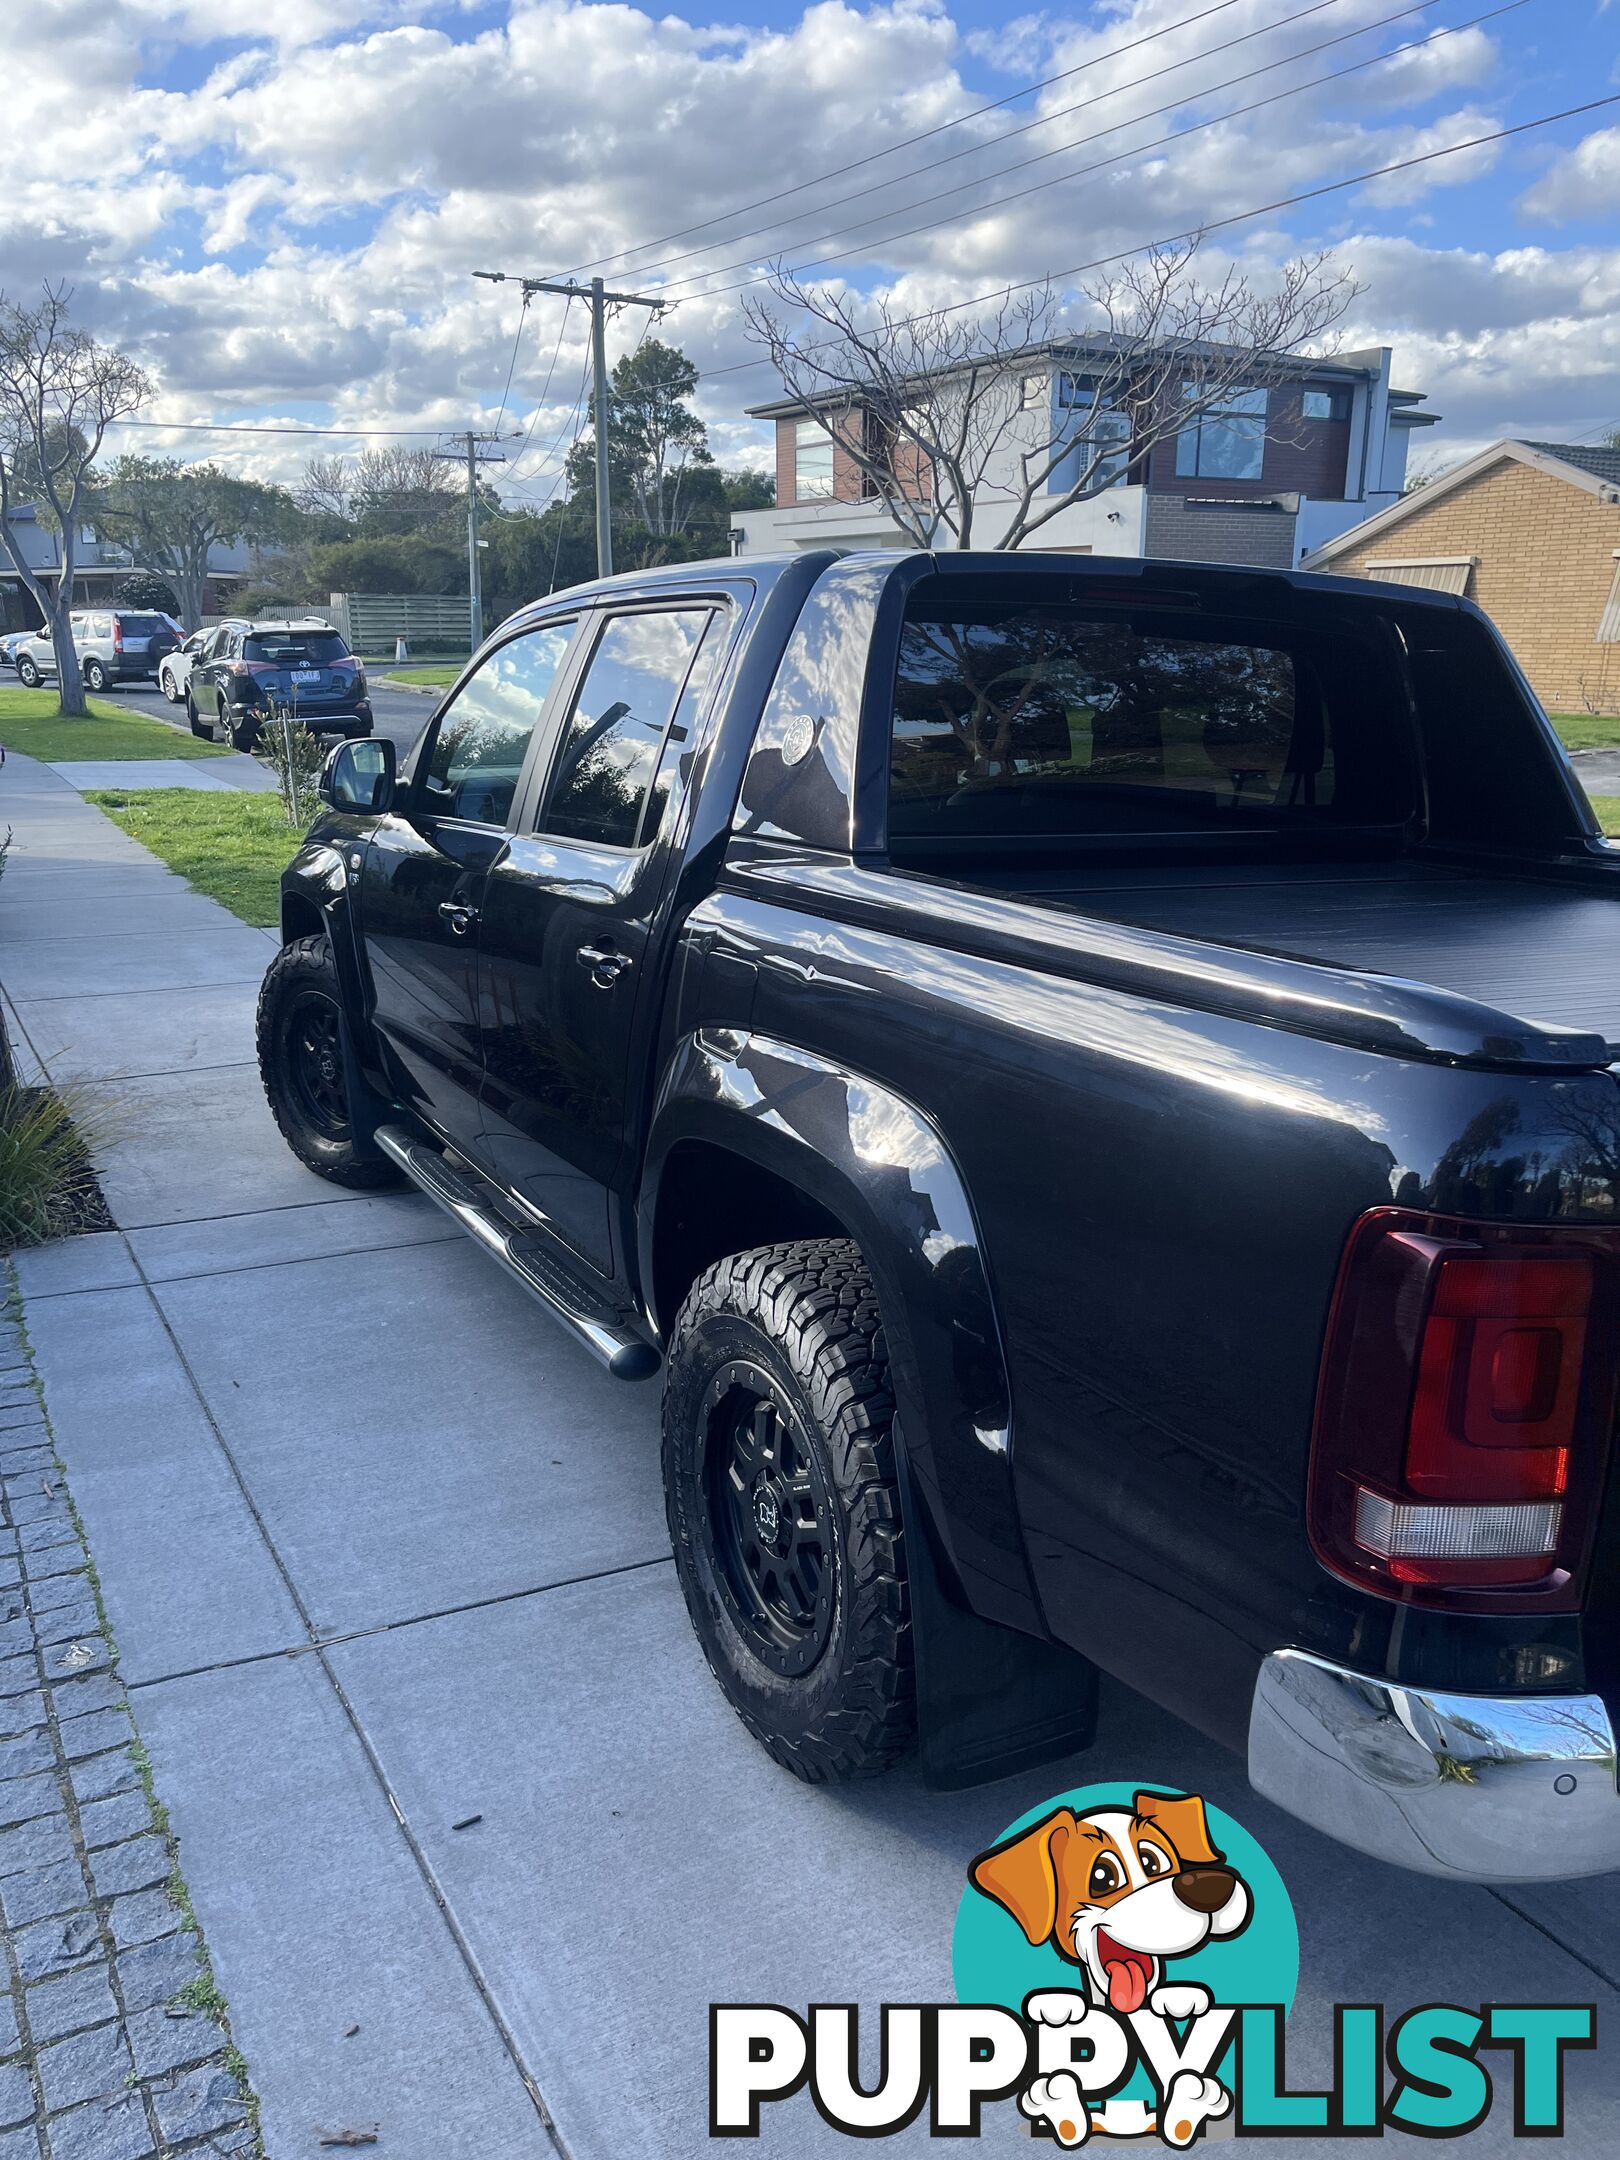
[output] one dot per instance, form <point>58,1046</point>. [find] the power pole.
<point>470,442</point>
<point>599,300</point>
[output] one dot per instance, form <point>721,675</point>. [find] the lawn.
<point>1587,731</point>
<point>425,678</point>
<point>31,724</point>
<point>232,846</point>
<point>1608,811</point>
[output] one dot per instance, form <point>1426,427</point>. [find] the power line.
<point>907,142</point>
<point>249,427</point>
<point>539,403</point>
<point>1135,82</point>
<point>600,299</point>
<point>523,316</point>
<point>551,449</point>
<point>1136,150</point>
<point>1196,232</point>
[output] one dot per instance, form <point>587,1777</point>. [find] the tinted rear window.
<point>295,648</point>
<point>146,626</point>
<point>1028,718</point>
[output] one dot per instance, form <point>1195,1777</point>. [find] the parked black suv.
<point>247,668</point>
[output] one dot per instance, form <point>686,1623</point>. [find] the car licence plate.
<point>306,674</point>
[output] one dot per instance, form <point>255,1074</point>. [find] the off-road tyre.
<point>804,1318</point>
<point>302,984</point>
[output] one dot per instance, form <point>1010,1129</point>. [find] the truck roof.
<point>765,570</point>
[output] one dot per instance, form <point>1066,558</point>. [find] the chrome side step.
<point>607,1335</point>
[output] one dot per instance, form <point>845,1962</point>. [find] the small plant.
<point>295,756</point>
<point>47,1187</point>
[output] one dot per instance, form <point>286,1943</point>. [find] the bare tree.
<point>59,393</point>
<point>932,409</point>
<point>403,491</point>
<point>326,489</point>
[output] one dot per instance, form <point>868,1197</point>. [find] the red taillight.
<point>118,635</point>
<point>1463,1416</point>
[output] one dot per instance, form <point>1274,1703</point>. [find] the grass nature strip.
<point>32,724</point>
<point>232,845</point>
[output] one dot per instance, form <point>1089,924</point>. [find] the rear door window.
<point>621,714</point>
<point>1026,718</point>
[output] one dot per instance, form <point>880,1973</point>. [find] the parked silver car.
<point>174,670</point>
<point>113,644</point>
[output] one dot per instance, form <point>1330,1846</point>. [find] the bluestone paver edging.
<point>115,2042</point>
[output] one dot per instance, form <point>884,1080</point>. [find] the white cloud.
<point>1584,183</point>
<point>276,228</point>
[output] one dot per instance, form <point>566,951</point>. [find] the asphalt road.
<point>399,714</point>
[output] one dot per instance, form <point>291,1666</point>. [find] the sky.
<point>279,205</point>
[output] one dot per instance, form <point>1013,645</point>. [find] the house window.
<point>1032,393</point>
<point>1326,404</point>
<point>1227,442</point>
<point>812,462</point>
<point>1098,432</point>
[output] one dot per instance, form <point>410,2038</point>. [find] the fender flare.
<point>880,1165</point>
<point>316,883</point>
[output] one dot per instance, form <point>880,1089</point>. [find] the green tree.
<point>172,516</point>
<point>656,442</point>
<point>59,393</point>
<point>140,590</point>
<point>387,563</point>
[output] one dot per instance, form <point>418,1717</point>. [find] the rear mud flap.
<point>991,1701</point>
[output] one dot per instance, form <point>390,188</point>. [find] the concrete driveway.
<point>473,1837</point>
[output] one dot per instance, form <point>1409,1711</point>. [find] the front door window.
<point>483,736</point>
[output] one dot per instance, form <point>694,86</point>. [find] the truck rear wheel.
<point>301,1062</point>
<point>784,1510</point>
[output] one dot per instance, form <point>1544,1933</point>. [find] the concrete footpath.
<point>472,1836</point>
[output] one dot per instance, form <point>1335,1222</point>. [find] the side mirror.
<point>359,776</point>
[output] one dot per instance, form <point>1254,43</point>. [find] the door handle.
<point>458,915</point>
<point>605,962</point>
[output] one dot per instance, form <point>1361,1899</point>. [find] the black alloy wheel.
<point>303,1065</point>
<point>314,1053</point>
<point>784,1504</point>
<point>771,1517</point>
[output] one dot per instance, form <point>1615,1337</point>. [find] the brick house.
<point>1275,473</point>
<point>1531,530</point>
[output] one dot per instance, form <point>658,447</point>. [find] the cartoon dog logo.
<point>1117,1892</point>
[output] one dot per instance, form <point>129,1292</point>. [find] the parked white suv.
<point>174,670</point>
<point>113,644</point>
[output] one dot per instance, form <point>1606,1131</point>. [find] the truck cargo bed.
<point>1540,950</point>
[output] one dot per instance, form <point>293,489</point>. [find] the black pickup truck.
<point>1092,1081</point>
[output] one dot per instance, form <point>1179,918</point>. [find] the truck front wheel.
<point>784,1510</point>
<point>301,1063</point>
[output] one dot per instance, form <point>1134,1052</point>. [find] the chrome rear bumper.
<point>1476,1787</point>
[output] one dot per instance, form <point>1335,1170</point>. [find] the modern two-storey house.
<point>1276,469</point>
